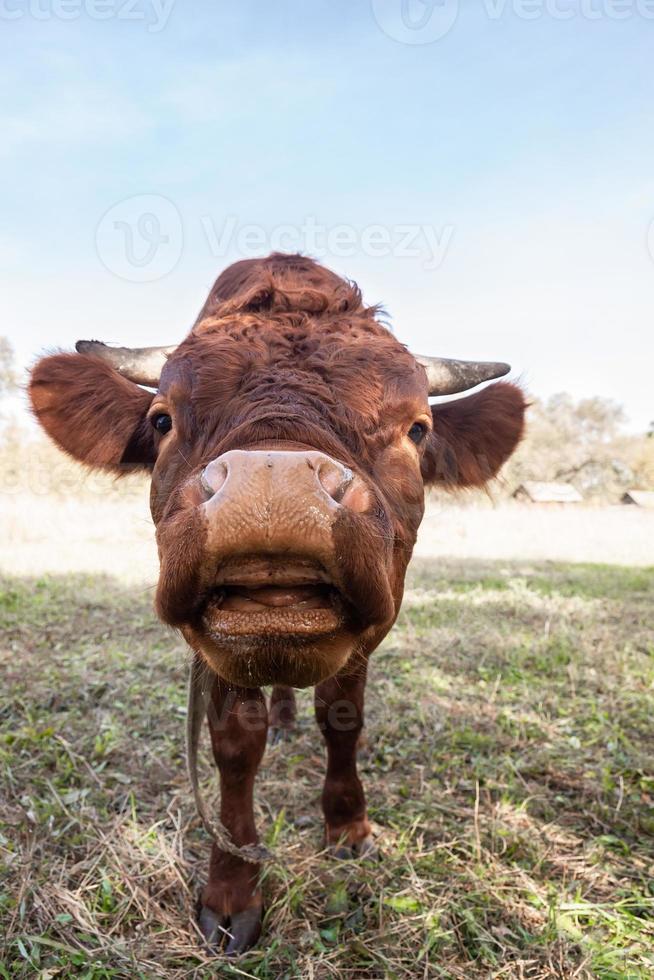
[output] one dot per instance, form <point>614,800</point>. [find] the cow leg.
<point>232,904</point>
<point>282,713</point>
<point>339,712</point>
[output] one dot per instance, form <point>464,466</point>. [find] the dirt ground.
<point>112,532</point>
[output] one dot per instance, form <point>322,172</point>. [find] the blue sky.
<point>492,187</point>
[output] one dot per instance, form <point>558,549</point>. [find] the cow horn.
<point>447,377</point>
<point>143,365</point>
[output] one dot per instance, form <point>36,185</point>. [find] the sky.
<point>482,168</point>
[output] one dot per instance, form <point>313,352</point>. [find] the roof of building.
<point>549,493</point>
<point>643,498</point>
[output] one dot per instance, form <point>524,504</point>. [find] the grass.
<point>509,767</point>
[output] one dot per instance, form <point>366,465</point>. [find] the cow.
<point>290,440</point>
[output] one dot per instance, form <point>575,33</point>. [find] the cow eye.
<point>417,432</point>
<point>162,423</point>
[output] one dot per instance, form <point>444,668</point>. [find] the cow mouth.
<point>268,597</point>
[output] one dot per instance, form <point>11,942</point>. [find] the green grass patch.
<point>508,765</point>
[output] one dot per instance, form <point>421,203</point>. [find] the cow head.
<point>290,439</point>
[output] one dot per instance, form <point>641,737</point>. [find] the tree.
<point>8,376</point>
<point>579,443</point>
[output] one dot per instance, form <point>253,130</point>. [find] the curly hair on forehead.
<point>282,284</point>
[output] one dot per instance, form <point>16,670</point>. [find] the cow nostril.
<point>334,479</point>
<point>206,488</point>
<point>213,477</point>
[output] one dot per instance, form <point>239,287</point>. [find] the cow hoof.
<point>212,926</point>
<point>240,930</point>
<point>365,850</point>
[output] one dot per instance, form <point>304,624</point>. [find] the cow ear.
<point>92,412</point>
<point>474,436</point>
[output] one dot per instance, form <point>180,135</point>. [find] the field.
<point>509,766</point>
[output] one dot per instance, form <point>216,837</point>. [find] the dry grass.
<point>508,767</point>
<point>57,518</point>
<point>616,534</point>
<point>109,529</point>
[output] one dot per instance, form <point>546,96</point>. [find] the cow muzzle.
<point>270,517</point>
<point>267,491</point>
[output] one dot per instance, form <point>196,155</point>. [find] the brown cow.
<point>290,440</point>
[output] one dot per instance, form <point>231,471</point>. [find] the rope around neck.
<point>199,696</point>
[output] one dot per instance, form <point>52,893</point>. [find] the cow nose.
<point>308,475</point>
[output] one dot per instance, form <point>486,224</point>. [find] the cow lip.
<point>241,598</point>
<point>256,573</point>
<point>232,613</point>
<point>269,597</point>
